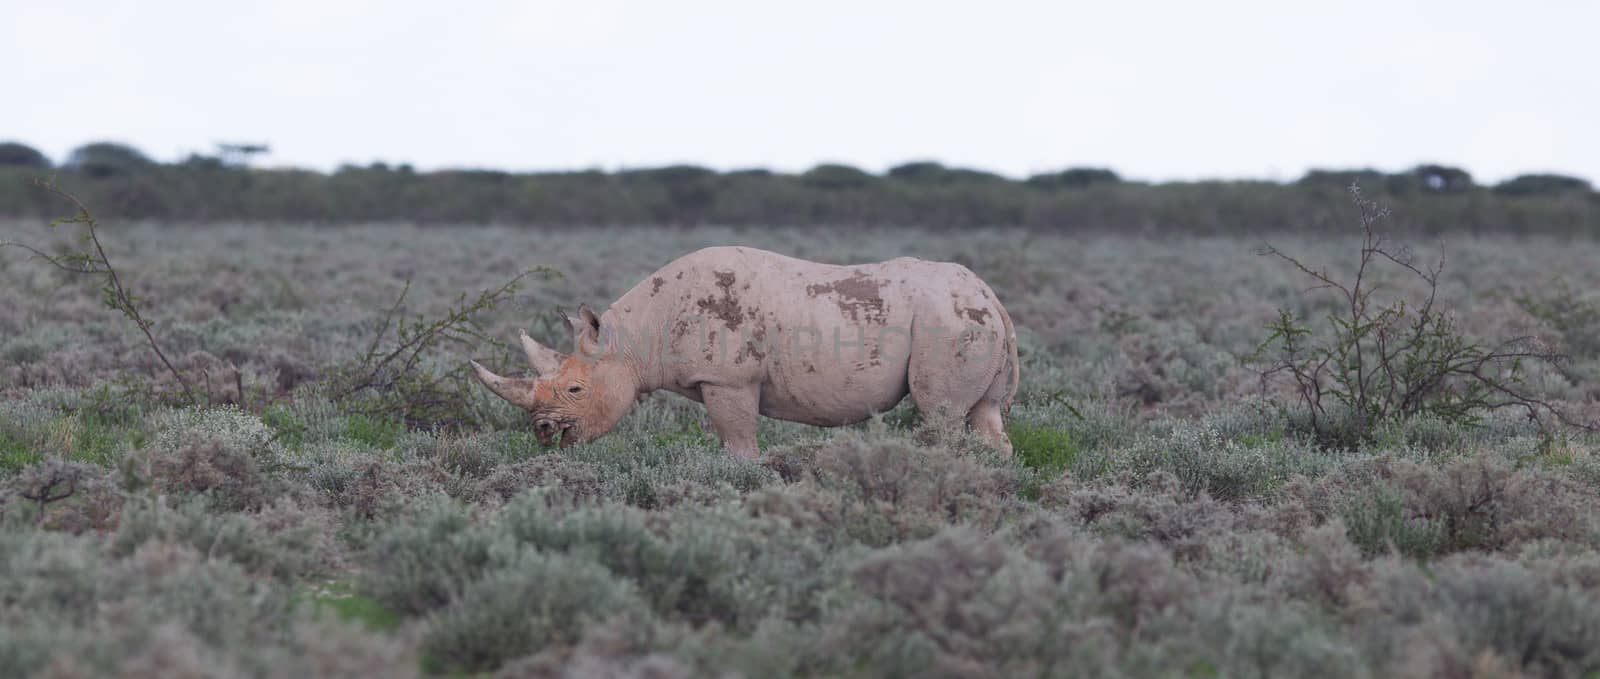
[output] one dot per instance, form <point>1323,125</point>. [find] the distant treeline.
<point>120,181</point>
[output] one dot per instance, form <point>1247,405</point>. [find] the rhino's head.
<point>576,397</point>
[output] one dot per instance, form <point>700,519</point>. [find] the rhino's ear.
<point>545,361</point>
<point>586,336</point>
<point>584,321</point>
<point>517,390</point>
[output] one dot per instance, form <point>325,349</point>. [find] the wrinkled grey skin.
<point>750,332</point>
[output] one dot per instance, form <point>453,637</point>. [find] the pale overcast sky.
<point>1156,90</point>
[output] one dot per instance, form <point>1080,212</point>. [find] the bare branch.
<point>58,261</point>
<point>96,262</point>
<point>392,370</point>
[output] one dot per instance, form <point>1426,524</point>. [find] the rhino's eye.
<point>574,389</point>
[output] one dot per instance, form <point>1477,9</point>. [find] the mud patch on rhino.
<point>757,346</point>
<point>725,308</point>
<point>860,297</point>
<point>655,285</point>
<point>977,315</point>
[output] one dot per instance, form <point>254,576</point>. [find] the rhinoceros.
<point>749,332</point>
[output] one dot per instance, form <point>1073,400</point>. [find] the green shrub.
<point>836,177</point>
<point>21,155</point>
<point>1076,177</point>
<point>882,491</point>
<point>283,541</point>
<point>926,195</point>
<point>1535,625</point>
<point>79,601</point>
<point>1158,509</point>
<point>1442,179</point>
<point>421,562</point>
<point>955,603</point>
<point>1380,361</point>
<point>530,602</point>
<point>694,569</point>
<point>1203,460</point>
<point>932,173</point>
<point>574,478</point>
<point>1467,504</point>
<point>1378,523</point>
<point>226,426</point>
<point>228,476</point>
<point>107,159</point>
<point>1341,179</point>
<point>1542,184</point>
<point>1573,314</point>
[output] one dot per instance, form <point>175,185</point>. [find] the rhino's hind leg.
<point>733,411</point>
<point>955,373</point>
<point>987,415</point>
<point>985,419</point>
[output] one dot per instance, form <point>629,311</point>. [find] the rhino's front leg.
<point>733,411</point>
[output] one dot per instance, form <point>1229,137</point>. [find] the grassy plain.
<point>1167,512</point>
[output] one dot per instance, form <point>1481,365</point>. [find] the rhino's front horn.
<point>517,390</point>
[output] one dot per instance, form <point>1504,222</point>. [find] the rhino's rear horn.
<point>545,361</point>
<point>517,390</point>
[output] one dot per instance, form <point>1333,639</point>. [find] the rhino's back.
<point>717,281</point>
<point>741,288</point>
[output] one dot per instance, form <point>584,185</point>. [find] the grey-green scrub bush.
<point>1164,516</point>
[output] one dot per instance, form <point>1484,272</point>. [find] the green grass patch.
<point>691,435</point>
<point>345,604</point>
<point>106,423</point>
<point>520,445</point>
<point>14,455</point>
<point>97,438</point>
<point>287,428</point>
<point>380,433</point>
<point>1261,440</point>
<point>1044,451</point>
<point>1043,448</point>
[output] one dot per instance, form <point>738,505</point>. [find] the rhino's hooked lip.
<point>549,430</point>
